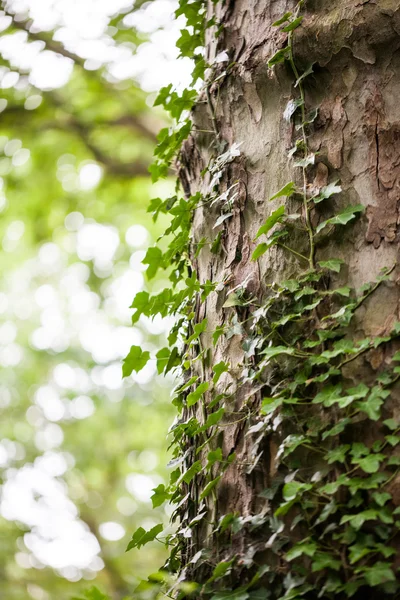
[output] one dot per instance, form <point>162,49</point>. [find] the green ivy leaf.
<point>293,25</point>
<point>274,351</point>
<point>334,264</point>
<point>370,463</point>
<point>219,330</point>
<point>342,218</point>
<point>162,359</point>
<point>195,396</point>
<point>288,190</point>
<point>327,192</point>
<point>260,250</point>
<point>142,537</point>
<point>192,472</point>
<point>279,57</point>
<point>283,19</point>
<point>306,547</point>
<point>379,573</point>
<point>274,218</point>
<point>324,560</point>
<point>135,361</point>
<point>209,487</point>
<point>160,495</point>
<point>294,489</point>
<point>219,368</point>
<point>154,258</point>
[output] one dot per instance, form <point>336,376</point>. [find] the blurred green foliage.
<point>62,302</point>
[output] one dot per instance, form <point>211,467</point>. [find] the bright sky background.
<point>65,309</point>
<point>82,28</point>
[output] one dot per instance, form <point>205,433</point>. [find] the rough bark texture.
<point>356,84</point>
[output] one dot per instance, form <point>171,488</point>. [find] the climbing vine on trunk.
<point>326,525</point>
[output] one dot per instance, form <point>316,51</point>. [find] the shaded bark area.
<point>355,48</point>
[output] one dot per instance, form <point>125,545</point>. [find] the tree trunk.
<point>287,532</point>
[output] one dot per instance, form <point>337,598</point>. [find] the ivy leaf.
<point>269,405</point>
<point>288,190</point>
<point>141,303</point>
<point>293,25</point>
<point>306,547</point>
<point>162,359</point>
<point>379,573</point>
<point>154,258</point>
<point>327,192</point>
<point>381,498</point>
<point>323,560</point>
<point>283,19</point>
<point>279,57</point>
<point>370,463</point>
<point>142,537</point>
<point>291,108</point>
<point>92,594</point>
<point>334,264</point>
<point>342,218</point>
<point>222,218</point>
<point>213,457</point>
<point>293,489</point>
<point>216,245</point>
<point>219,368</point>
<point>160,495</point>
<point>259,251</point>
<point>306,73</point>
<point>195,396</point>
<point>135,361</point>
<point>274,218</point>
<point>192,472</point>
<point>209,487</point>
<point>277,351</point>
<point>212,419</point>
<point>219,330</point>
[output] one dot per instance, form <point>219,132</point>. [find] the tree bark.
<point>354,47</point>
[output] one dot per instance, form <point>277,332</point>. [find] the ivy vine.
<point>328,528</point>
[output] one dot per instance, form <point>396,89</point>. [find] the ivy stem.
<point>293,251</point>
<point>303,121</point>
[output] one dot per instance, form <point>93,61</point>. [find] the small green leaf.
<point>293,489</point>
<point>277,351</point>
<point>324,560</point>
<point>293,25</point>
<point>379,573</point>
<point>259,251</point>
<point>155,259</point>
<point>192,472</point>
<point>209,487</point>
<point>195,396</point>
<point>279,57</point>
<point>213,457</point>
<point>162,359</point>
<point>160,495</point>
<point>142,537</point>
<point>283,19</point>
<point>219,330</point>
<point>370,463</point>
<point>274,218</point>
<point>135,361</point>
<point>334,264</point>
<point>327,192</point>
<point>219,368</point>
<point>306,547</point>
<point>342,218</point>
<point>288,190</point>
